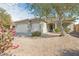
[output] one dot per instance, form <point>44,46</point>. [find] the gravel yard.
<point>49,46</point>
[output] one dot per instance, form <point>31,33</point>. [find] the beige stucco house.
<point>28,26</point>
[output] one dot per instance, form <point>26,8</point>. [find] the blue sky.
<point>18,11</point>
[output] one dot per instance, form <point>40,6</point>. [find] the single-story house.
<point>28,26</point>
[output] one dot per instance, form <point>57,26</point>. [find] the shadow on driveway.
<point>70,52</point>
<point>75,34</point>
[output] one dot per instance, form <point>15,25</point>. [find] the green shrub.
<point>57,30</point>
<point>36,33</point>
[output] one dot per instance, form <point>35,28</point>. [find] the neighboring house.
<point>76,27</point>
<point>28,26</point>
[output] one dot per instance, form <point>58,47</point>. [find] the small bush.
<point>57,30</point>
<point>37,33</point>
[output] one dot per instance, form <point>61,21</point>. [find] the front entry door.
<point>50,27</point>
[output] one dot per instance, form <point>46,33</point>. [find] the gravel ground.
<point>49,46</point>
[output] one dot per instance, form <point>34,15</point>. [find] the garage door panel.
<point>22,28</point>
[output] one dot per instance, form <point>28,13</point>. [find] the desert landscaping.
<point>46,46</point>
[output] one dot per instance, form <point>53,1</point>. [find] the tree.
<point>5,33</point>
<point>54,9</point>
<point>62,9</point>
<point>5,18</point>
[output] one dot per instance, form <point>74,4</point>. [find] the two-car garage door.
<point>26,29</point>
<point>22,29</point>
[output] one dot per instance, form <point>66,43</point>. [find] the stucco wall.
<point>76,28</point>
<point>36,27</point>
<point>44,27</point>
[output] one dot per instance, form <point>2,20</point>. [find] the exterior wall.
<point>36,27</point>
<point>43,27</point>
<point>77,28</point>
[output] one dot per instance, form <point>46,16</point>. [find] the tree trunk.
<point>61,26</point>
